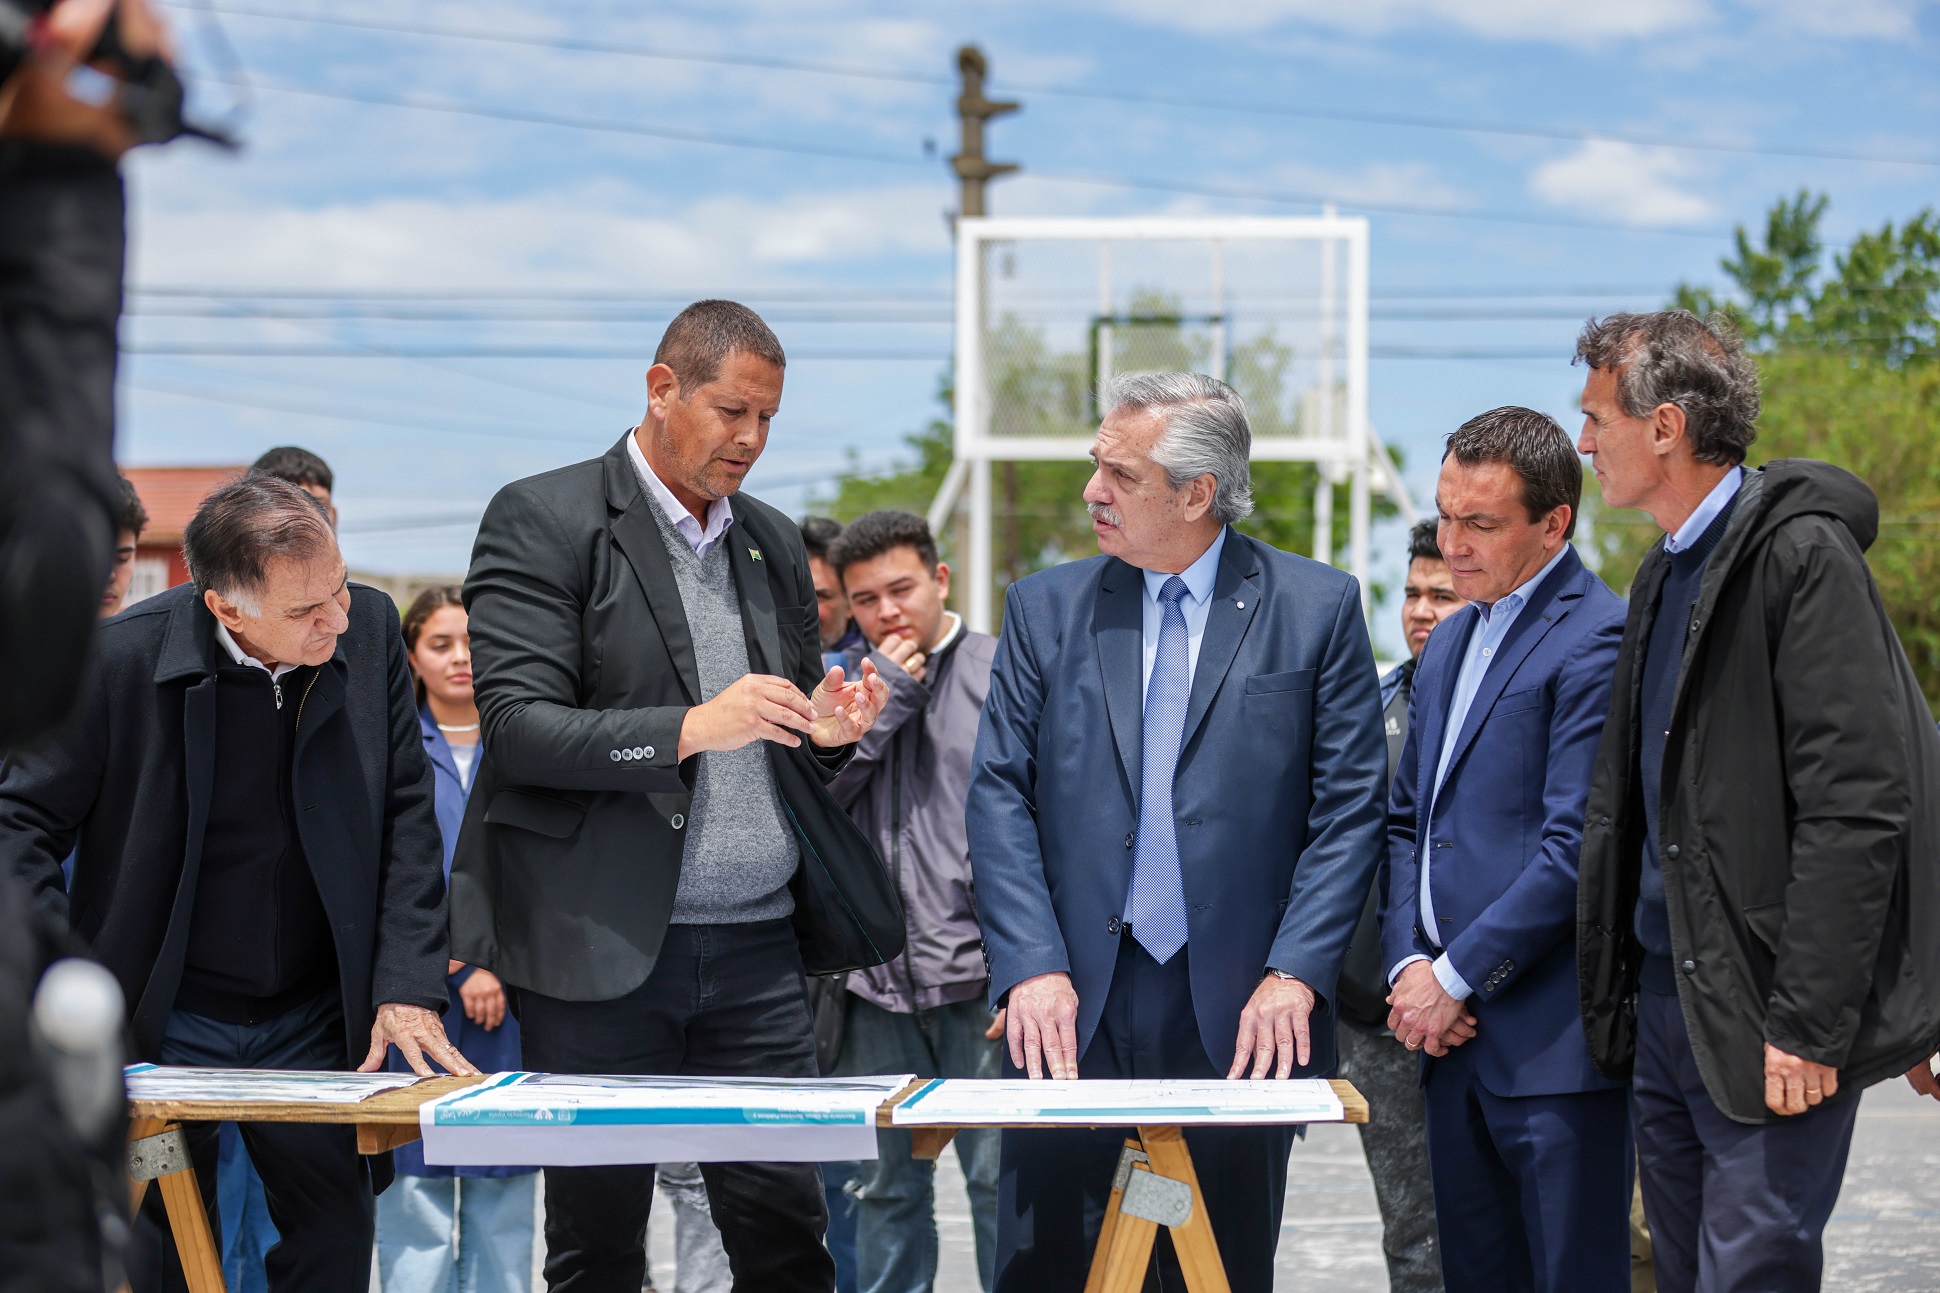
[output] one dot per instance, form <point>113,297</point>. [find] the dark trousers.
<point>318,1189</point>
<point>1531,1192</point>
<point>1732,1208</point>
<point>722,1001</point>
<point>1053,1186</point>
<point>1395,1140</point>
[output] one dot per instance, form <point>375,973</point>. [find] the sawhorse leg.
<point>1155,1185</point>
<point>158,1151</point>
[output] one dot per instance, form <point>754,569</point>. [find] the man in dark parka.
<point>1756,908</point>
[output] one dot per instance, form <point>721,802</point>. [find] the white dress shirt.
<point>719,514</point>
<point>241,656</point>
<point>1195,605</point>
<point>1699,521</point>
<point>1483,642</point>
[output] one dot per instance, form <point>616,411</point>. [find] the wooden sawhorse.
<point>157,1151</point>
<point>1155,1185</point>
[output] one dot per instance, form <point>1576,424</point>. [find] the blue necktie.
<point>1158,905</point>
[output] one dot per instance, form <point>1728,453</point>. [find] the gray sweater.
<point>739,853</point>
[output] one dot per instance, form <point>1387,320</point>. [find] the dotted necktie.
<point>1158,903</point>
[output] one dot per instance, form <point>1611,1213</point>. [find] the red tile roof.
<point>171,495</point>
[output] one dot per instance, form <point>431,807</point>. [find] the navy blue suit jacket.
<point>1277,794</point>
<point>1508,825</point>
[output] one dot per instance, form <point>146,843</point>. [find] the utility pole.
<point>972,168</point>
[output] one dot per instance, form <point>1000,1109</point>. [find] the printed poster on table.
<point>572,1120</point>
<point>970,1102</point>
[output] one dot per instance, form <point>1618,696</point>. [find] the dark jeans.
<point>896,1196</point>
<point>722,1001</point>
<point>1732,1208</point>
<point>318,1189</point>
<point>1395,1140</point>
<point>1532,1193</point>
<point>1053,1185</point>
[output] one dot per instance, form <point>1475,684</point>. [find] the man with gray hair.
<point>1757,934</point>
<point>1174,816</point>
<point>258,857</point>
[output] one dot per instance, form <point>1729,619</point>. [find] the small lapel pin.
<point>755,553</point>
<point>1240,605</point>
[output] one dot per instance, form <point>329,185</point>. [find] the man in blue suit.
<point>1174,815</point>
<point>1528,1146</point>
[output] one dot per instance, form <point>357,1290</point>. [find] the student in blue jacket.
<point>466,1229</point>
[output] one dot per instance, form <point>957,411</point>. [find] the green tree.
<point>1847,374</point>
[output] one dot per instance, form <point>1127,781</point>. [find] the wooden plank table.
<point>390,1118</point>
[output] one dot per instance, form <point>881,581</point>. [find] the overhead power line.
<point>1244,193</point>
<point>274,351</point>
<point>817,67</point>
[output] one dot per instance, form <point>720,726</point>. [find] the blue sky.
<point>573,239</point>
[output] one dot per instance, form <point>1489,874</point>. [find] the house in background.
<point>171,495</point>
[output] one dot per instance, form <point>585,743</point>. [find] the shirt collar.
<point>720,514</point>
<point>236,653</point>
<point>956,629</point>
<point>1199,576</point>
<point>1516,598</point>
<point>1699,521</point>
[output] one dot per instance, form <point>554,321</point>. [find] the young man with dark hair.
<point>1528,1145</point>
<point>303,469</point>
<point>842,641</point>
<point>1395,1140</point>
<point>131,518</point>
<point>923,1012</point>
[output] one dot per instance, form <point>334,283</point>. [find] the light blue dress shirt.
<point>1497,620</point>
<point>1699,521</point>
<point>720,513</point>
<point>1195,605</point>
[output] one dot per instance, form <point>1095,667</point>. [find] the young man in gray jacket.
<point>906,786</point>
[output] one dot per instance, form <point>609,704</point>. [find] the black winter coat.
<point>129,780</point>
<point>1800,809</point>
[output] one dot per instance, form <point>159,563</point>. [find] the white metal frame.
<point>1349,452</point>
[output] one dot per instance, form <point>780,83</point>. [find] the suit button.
<point>678,821</point>
<point>1671,851</point>
<point>613,755</point>
<point>1112,926</point>
<point>647,753</point>
<point>1129,835</point>
<point>1689,966</point>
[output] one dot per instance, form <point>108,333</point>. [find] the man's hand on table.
<point>416,1033</point>
<point>1041,1025</point>
<point>1274,1029</point>
<point>1424,1016</point>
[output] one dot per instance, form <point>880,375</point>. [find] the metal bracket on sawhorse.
<point>159,1152</point>
<point>1154,1186</point>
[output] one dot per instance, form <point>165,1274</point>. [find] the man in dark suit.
<point>1528,1145</point>
<point>1174,815</point>
<point>258,861</point>
<point>659,729</point>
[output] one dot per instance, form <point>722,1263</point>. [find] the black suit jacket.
<point>130,779</point>
<point>566,868</point>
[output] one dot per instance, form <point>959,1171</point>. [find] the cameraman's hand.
<point>757,707</point>
<point>36,103</point>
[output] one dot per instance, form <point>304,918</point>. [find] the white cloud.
<point>1623,182</point>
<point>599,236</point>
<point>1849,19</point>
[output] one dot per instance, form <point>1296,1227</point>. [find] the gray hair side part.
<point>247,524</point>
<point>1205,432</point>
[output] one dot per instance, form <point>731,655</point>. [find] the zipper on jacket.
<point>896,852</point>
<point>301,701</point>
<point>276,686</point>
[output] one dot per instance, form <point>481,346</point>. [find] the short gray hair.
<point>1205,431</point>
<point>244,526</point>
<point>1674,357</point>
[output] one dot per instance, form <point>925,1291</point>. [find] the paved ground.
<point>1884,1236</point>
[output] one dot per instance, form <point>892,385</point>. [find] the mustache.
<point>1099,512</point>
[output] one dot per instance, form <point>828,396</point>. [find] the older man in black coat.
<point>258,859</point>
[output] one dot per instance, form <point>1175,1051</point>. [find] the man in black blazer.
<point>258,857</point>
<point>637,855</point>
